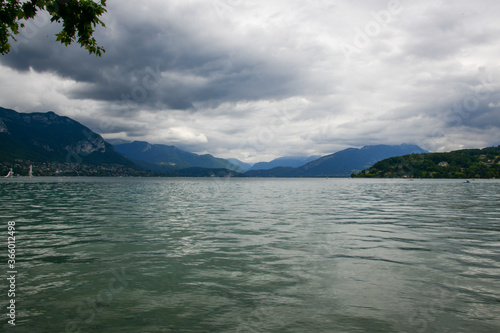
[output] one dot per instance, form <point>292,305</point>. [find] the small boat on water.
<point>30,173</point>
<point>10,174</point>
<point>467,182</point>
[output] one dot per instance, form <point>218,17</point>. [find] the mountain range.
<point>56,143</point>
<point>163,158</point>
<point>342,163</point>
<point>286,161</point>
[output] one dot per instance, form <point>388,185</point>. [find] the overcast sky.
<point>255,79</point>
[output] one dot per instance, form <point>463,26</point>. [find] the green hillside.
<point>466,163</point>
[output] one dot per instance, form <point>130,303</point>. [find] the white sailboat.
<point>10,174</point>
<point>30,174</point>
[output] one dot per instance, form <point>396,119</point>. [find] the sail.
<point>10,174</point>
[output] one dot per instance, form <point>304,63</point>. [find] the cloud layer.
<point>260,79</point>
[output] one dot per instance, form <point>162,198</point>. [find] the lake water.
<point>252,255</point>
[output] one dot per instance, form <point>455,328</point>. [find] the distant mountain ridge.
<point>164,158</point>
<point>342,163</point>
<point>285,161</point>
<point>244,166</point>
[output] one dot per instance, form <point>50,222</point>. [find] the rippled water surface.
<point>252,255</point>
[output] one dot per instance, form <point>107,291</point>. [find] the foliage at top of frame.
<point>79,19</point>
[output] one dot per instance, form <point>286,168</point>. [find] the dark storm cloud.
<point>482,116</point>
<point>188,70</point>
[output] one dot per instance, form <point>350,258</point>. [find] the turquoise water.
<point>252,255</point>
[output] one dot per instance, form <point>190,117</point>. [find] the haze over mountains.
<point>243,165</point>
<point>49,138</point>
<point>159,157</point>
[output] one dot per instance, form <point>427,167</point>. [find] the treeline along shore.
<point>466,163</point>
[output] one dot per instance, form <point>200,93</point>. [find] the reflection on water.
<point>254,255</point>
